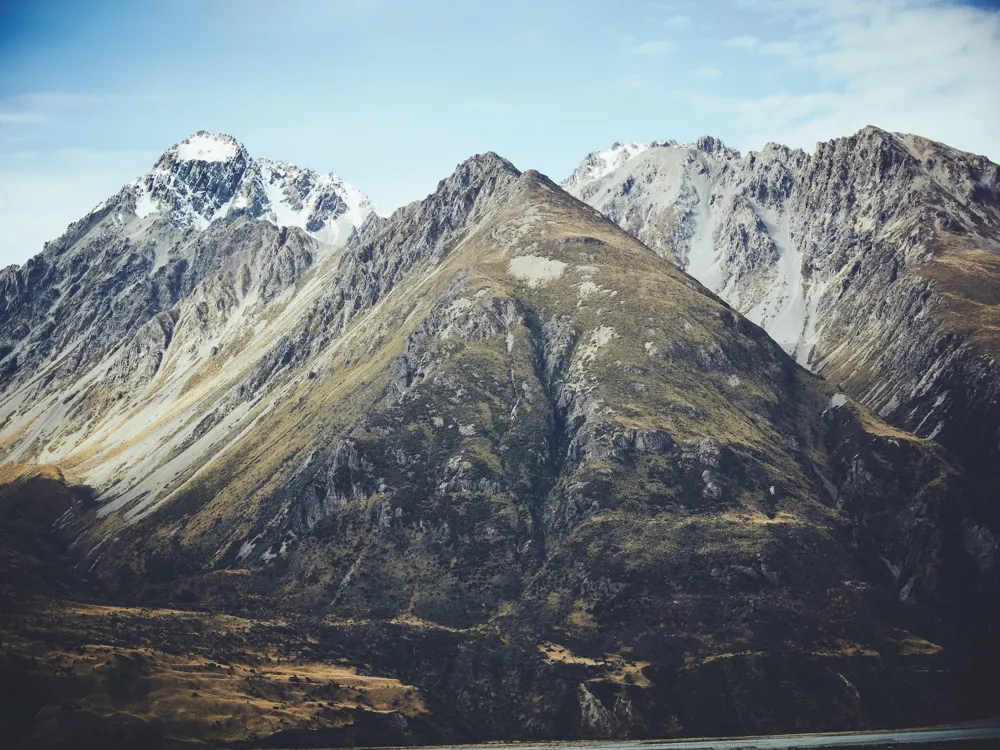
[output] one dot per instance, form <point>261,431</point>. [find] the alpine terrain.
<point>873,261</point>
<point>278,471</point>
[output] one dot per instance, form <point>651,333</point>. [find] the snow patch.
<point>889,407</point>
<point>599,164</point>
<point>144,205</point>
<point>936,431</point>
<point>206,147</point>
<point>247,547</point>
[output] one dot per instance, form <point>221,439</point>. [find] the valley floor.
<point>91,675</point>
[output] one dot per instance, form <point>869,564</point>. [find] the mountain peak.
<point>208,147</point>
<point>477,172</point>
<point>486,163</point>
<point>599,164</point>
<point>211,176</point>
<point>712,145</point>
<point>873,131</point>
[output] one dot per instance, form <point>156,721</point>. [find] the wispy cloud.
<point>46,106</point>
<point>653,48</point>
<point>783,49</point>
<point>676,22</point>
<point>707,72</point>
<point>906,65</point>
<point>672,6</point>
<point>748,43</point>
<point>19,118</point>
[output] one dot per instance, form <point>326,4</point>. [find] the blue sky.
<point>392,94</point>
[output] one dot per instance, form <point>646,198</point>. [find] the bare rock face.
<point>498,447</point>
<point>872,261</point>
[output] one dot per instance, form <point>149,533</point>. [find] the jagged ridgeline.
<point>873,261</point>
<point>493,448</point>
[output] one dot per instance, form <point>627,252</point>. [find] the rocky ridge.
<point>872,261</point>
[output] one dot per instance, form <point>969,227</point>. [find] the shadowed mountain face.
<point>497,451</point>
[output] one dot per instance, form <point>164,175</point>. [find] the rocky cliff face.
<point>499,450</point>
<point>872,261</point>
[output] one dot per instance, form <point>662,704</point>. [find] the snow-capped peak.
<point>207,147</point>
<point>315,202</point>
<point>599,164</point>
<point>208,177</point>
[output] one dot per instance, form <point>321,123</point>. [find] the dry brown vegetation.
<point>207,676</point>
<point>968,278</point>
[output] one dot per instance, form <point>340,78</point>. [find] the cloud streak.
<point>653,48</point>
<point>907,65</point>
<point>747,43</point>
<point>46,106</point>
<point>707,72</point>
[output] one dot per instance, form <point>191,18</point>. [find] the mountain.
<point>169,280</point>
<point>490,469</point>
<point>212,176</point>
<point>873,261</point>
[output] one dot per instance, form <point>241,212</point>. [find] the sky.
<point>392,94</point>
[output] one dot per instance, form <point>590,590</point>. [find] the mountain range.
<point>695,443</point>
<point>872,261</point>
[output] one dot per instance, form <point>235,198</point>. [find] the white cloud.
<point>784,49</point>
<point>43,106</point>
<point>748,43</point>
<point>653,48</point>
<point>903,65</point>
<point>707,72</point>
<point>676,22</point>
<point>20,117</point>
